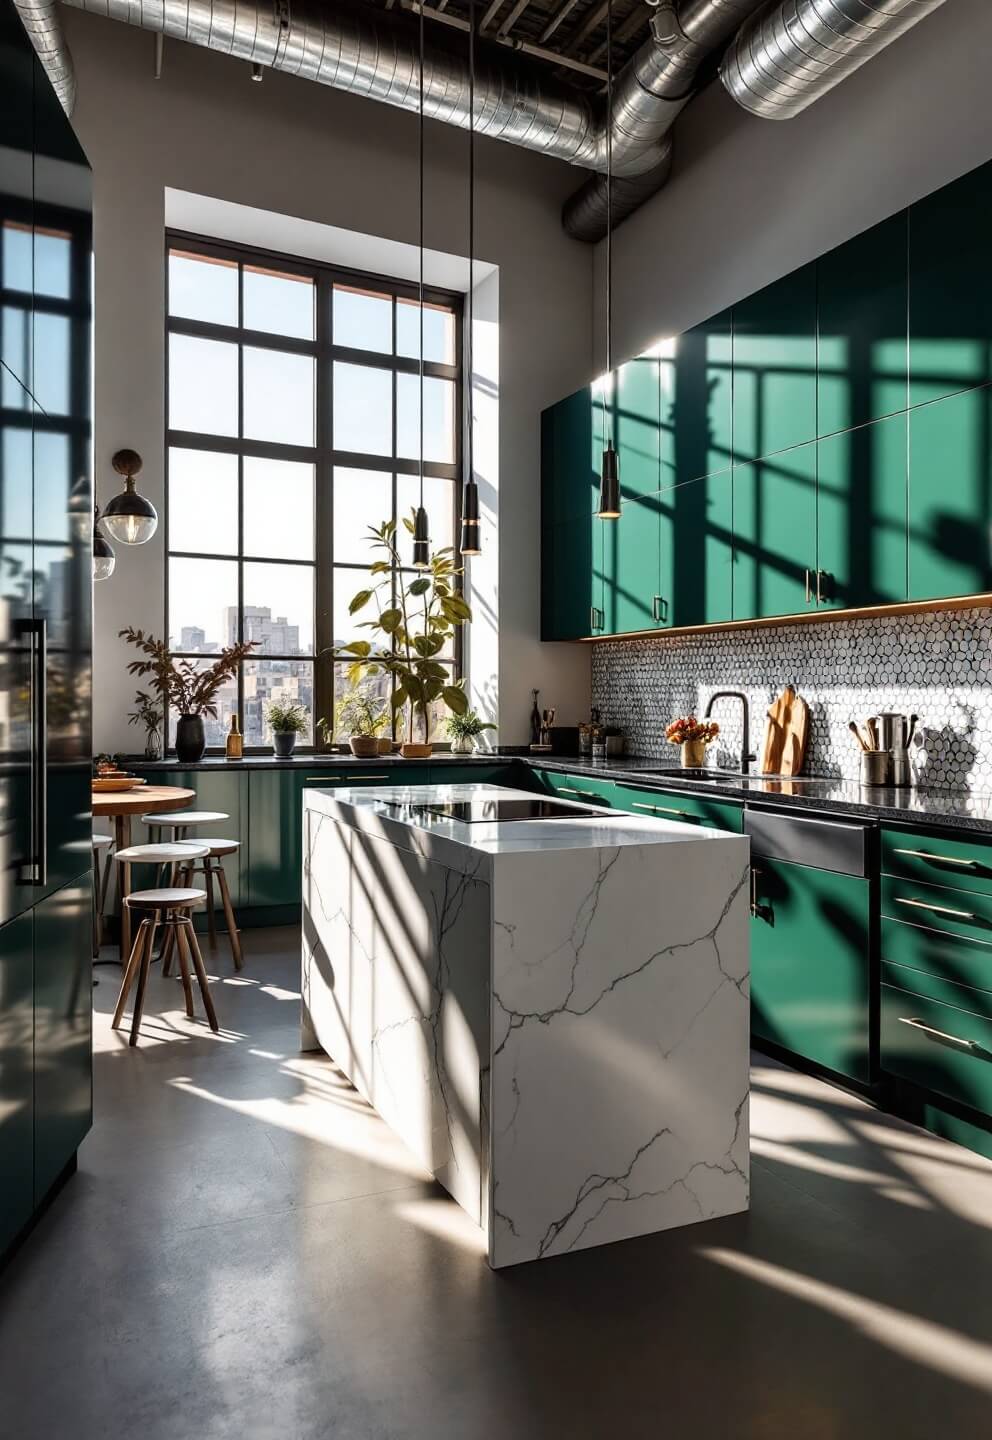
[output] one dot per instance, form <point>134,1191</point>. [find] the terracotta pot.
<point>384,746</point>
<point>364,746</point>
<point>693,754</point>
<point>414,750</point>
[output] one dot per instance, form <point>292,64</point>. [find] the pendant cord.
<point>609,211</point>
<point>421,9</point>
<point>471,232</point>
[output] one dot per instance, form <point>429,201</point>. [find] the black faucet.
<point>746,756</point>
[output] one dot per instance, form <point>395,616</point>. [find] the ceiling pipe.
<point>41,21</point>
<point>791,54</point>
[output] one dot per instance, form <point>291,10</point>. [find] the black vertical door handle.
<point>36,869</point>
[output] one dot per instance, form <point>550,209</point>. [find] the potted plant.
<point>362,716</point>
<point>463,729</point>
<point>412,628</point>
<point>693,736</point>
<point>148,712</point>
<point>190,691</point>
<point>286,720</point>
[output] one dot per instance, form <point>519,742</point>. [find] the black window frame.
<point>322,454</point>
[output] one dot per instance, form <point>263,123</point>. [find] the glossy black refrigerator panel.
<point>63,1088</point>
<point>17,631</point>
<point>16,1076</point>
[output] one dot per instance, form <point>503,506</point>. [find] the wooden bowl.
<point>107,784</point>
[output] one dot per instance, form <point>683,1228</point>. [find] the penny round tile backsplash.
<point>937,664</point>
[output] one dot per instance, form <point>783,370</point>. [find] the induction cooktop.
<point>476,812</point>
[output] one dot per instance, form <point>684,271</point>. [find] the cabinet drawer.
<point>409,773</point>
<point>472,772</point>
<point>962,864</point>
<point>938,1047</point>
<point>951,957</point>
<point>588,788</point>
<point>669,805</point>
<point>946,988</point>
<point>952,912</point>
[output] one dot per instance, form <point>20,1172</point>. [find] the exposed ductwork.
<point>791,54</point>
<point>651,91</point>
<point>41,21</point>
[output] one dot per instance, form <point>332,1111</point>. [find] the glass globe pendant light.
<point>421,526</point>
<point>609,479</point>
<point>471,535</point>
<point>129,517</point>
<point>104,558</point>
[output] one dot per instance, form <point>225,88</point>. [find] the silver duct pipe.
<point>41,21</point>
<point>792,53</point>
<point>652,90</point>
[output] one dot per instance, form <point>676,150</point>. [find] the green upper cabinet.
<point>702,559</point>
<point>702,413</point>
<point>774,347</point>
<point>950,288</point>
<point>862,328</point>
<point>861,491</point>
<point>636,415</point>
<point>572,542</point>
<point>950,496</point>
<point>632,565</point>
<point>775,535</point>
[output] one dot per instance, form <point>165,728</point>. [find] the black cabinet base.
<point>66,1173</point>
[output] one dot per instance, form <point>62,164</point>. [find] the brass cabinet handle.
<point>661,809</point>
<point>753,904</point>
<point>941,1036</point>
<point>938,909</point>
<point>595,618</point>
<point>944,859</point>
<point>819,576</point>
<point>809,593</point>
<point>657,603</point>
<point>585,794</point>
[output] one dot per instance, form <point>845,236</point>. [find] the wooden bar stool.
<point>171,908</point>
<point>166,856</point>
<point>101,875</point>
<point>211,868</point>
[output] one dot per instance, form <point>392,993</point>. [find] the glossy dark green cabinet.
<point>775,535</point>
<point>16,1076</point>
<point>700,544</point>
<point>862,328</point>
<point>950,496</point>
<point>703,408</point>
<point>809,964</point>
<point>775,367</point>
<point>861,507</point>
<point>950,288</point>
<point>63,1087</point>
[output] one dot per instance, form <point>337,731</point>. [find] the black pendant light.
<point>421,527</point>
<point>609,478</point>
<point>471,536</point>
<point>104,558</point>
<point>129,517</point>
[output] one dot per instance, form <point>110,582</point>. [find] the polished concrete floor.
<point>247,1252</point>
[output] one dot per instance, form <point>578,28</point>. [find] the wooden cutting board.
<point>785,735</point>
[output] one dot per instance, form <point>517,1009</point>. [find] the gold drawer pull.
<point>938,909</point>
<point>941,1036</point>
<point>944,859</point>
<point>585,794</point>
<point>661,809</point>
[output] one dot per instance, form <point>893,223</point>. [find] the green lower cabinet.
<point>275,845</point>
<point>809,964</point>
<point>16,1076</point>
<point>474,772</point>
<point>223,791</point>
<point>63,1080</point>
<point>950,496</point>
<point>942,1048</point>
<point>861,495</point>
<point>579,788</point>
<point>675,805</point>
<point>775,535</point>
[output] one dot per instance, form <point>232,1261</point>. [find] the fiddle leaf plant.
<point>411,628</point>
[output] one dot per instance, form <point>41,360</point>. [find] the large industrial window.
<point>293,424</point>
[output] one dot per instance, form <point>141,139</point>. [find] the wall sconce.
<point>129,517</point>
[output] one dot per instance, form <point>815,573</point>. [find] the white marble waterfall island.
<point>551,1013</point>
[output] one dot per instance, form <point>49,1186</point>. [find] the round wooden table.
<point>120,805</point>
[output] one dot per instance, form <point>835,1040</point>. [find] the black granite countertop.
<point>957,809</point>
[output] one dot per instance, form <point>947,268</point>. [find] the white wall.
<point>752,199</point>
<point>303,150</point>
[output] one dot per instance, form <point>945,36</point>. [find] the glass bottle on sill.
<point>234,747</point>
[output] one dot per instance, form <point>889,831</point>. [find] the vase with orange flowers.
<point>693,736</point>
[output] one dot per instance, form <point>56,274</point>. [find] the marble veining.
<point>558,1029</point>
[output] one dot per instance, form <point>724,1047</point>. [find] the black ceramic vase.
<point>190,739</point>
<point>284,742</point>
